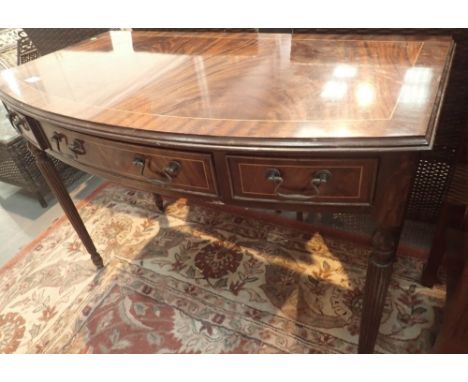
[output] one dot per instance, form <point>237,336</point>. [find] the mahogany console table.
<point>296,122</point>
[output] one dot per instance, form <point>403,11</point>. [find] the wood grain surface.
<point>242,88</point>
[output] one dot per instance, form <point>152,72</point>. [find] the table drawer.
<point>191,172</point>
<point>303,181</point>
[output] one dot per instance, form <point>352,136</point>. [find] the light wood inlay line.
<point>312,168</point>
<point>421,44</point>
<point>315,92</point>
<point>168,158</point>
<point>397,102</point>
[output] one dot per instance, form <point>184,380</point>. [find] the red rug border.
<point>403,250</point>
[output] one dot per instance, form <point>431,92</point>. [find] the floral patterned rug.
<point>199,280</point>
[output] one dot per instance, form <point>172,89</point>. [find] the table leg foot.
<point>52,178</point>
<point>96,259</point>
<point>41,199</point>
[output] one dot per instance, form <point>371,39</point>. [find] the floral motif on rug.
<point>200,280</point>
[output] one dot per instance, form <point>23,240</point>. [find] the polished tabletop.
<point>236,86</point>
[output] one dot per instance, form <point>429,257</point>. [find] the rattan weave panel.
<point>27,51</point>
<point>48,40</point>
<point>17,165</point>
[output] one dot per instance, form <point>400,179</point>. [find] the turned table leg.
<point>52,178</point>
<point>396,174</point>
<point>379,272</point>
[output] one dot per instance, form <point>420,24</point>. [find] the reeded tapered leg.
<point>395,178</point>
<point>52,178</point>
<point>158,200</point>
<point>379,272</point>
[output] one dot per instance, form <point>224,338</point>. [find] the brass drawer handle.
<point>168,174</point>
<point>310,192</point>
<point>18,121</point>
<point>57,138</point>
<point>77,147</point>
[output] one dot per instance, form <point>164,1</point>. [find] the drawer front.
<point>170,169</point>
<point>303,181</point>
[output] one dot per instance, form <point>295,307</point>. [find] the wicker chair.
<point>17,165</point>
<point>48,40</point>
